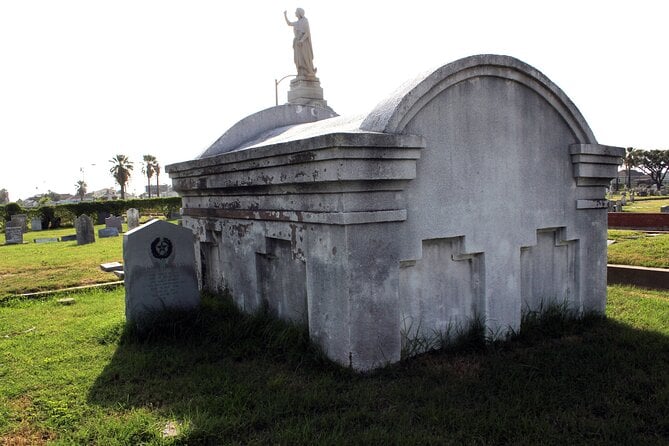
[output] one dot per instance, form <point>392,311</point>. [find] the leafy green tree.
<point>148,168</point>
<point>4,196</point>
<point>11,209</point>
<point>81,189</point>
<point>655,164</point>
<point>121,171</point>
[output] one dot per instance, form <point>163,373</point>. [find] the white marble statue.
<point>303,51</point>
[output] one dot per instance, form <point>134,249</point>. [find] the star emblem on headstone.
<point>161,247</point>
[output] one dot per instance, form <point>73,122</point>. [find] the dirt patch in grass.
<point>24,434</point>
<point>26,437</point>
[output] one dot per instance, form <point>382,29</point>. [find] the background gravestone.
<point>36,224</point>
<point>108,232</point>
<point>85,230</point>
<point>20,220</point>
<point>13,235</point>
<point>102,215</point>
<point>133,218</point>
<point>114,222</point>
<point>159,264</point>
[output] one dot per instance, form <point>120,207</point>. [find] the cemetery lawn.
<point>638,248</point>
<point>73,375</point>
<point>644,204</point>
<point>51,266</point>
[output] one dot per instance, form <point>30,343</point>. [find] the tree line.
<point>654,163</point>
<point>122,169</point>
<point>66,213</point>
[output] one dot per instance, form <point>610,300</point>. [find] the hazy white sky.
<point>83,80</point>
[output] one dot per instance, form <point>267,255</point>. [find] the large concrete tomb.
<point>159,267</point>
<point>475,192</point>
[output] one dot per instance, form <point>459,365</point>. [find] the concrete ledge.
<point>329,218</point>
<point>655,278</point>
<point>76,289</point>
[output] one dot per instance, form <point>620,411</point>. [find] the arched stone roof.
<point>394,113</point>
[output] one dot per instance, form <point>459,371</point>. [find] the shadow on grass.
<point>229,378</point>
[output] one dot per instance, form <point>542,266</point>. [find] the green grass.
<point>37,267</point>
<point>643,204</point>
<point>638,248</point>
<point>77,377</point>
<point>53,266</point>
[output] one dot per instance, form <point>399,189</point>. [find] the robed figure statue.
<point>302,49</point>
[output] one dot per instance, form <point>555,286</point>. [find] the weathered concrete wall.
<point>509,160</point>
<point>476,191</point>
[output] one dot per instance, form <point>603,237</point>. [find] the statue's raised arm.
<point>303,52</point>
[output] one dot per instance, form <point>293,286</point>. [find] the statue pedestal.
<point>306,92</point>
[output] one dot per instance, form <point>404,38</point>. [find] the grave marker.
<point>20,220</point>
<point>114,222</point>
<point>108,232</point>
<point>133,218</point>
<point>13,235</point>
<point>36,224</point>
<point>85,230</point>
<point>159,266</point>
<point>102,215</point>
<point>46,240</point>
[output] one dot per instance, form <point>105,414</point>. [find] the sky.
<point>84,80</point>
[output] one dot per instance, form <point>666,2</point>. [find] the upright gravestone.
<point>13,235</point>
<point>20,220</point>
<point>36,224</point>
<point>114,222</point>
<point>159,264</point>
<point>101,217</point>
<point>85,230</point>
<point>133,218</point>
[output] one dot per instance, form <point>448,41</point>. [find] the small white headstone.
<point>46,240</point>
<point>159,265</point>
<point>36,224</point>
<point>111,266</point>
<point>133,218</point>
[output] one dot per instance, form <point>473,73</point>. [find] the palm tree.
<point>121,171</point>
<point>81,189</point>
<point>147,169</point>
<point>156,168</point>
<point>630,160</point>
